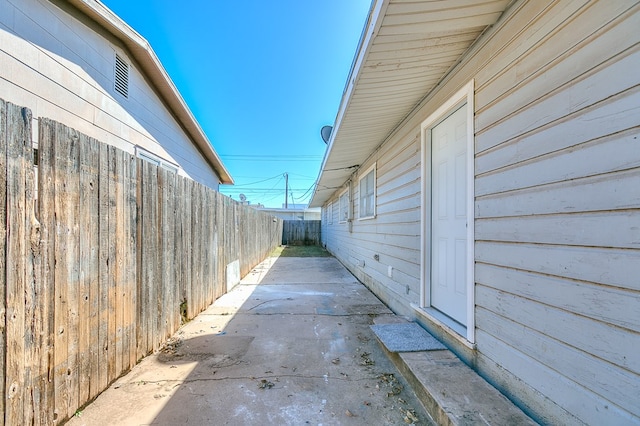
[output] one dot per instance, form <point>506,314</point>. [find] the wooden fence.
<point>301,232</point>
<point>100,265</point>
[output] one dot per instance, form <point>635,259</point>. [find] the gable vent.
<point>122,77</point>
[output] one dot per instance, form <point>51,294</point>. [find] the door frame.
<point>464,96</point>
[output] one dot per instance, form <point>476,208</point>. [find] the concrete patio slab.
<point>289,345</point>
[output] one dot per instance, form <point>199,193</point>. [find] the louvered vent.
<point>122,77</point>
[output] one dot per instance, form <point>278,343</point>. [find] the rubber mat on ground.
<point>406,337</point>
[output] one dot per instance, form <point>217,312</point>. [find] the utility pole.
<point>286,189</point>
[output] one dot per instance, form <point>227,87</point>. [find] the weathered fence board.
<point>3,249</point>
<point>108,258</point>
<point>301,232</point>
<point>19,276</point>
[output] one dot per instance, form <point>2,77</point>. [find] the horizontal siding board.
<point>573,162</point>
<point>575,43</point>
<point>604,118</point>
<point>611,191</point>
<point>410,171</point>
<point>398,216</point>
<point>408,229</point>
<point>578,96</point>
<point>577,404</point>
<point>611,383</point>
<point>576,92</point>
<point>611,347</point>
<point>406,197</point>
<point>396,165</point>
<point>612,267</point>
<point>531,25</point>
<point>607,305</point>
<point>619,229</point>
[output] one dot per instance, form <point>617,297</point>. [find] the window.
<point>121,80</point>
<point>330,213</point>
<point>368,193</point>
<point>147,156</point>
<point>344,206</point>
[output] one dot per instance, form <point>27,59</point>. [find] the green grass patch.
<point>300,251</point>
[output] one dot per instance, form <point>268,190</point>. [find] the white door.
<point>449,216</point>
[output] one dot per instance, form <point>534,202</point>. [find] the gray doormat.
<point>406,337</point>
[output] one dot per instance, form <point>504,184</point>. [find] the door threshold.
<point>453,328</point>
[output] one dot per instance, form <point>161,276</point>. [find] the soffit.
<point>408,47</point>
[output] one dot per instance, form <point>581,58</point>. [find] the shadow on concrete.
<point>290,345</point>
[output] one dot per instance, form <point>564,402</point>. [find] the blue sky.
<point>261,77</point>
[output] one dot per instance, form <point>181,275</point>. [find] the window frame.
<point>361,178</point>
<point>344,210</point>
<point>154,159</point>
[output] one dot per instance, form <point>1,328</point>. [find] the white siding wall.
<point>62,68</point>
<point>557,210</point>
<point>393,235</point>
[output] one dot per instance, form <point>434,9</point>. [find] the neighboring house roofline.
<point>158,76</point>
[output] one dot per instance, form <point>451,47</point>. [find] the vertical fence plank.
<point>131,215</point>
<point>102,265</point>
<point>196,267</point>
<point>111,266</point>
<point>150,255</point>
<point>3,255</point>
<point>187,227</point>
<point>89,344</point>
<point>166,233</point>
<point>118,263</point>
<point>172,306</point>
<point>61,313</point>
<point>18,133</point>
<point>207,250</point>
<point>140,310</point>
<point>178,250</point>
<point>215,277</point>
<point>31,330</point>
<point>160,284</point>
<point>88,265</point>
<point>46,208</point>
<point>67,268</point>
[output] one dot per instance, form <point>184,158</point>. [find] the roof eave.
<point>372,25</point>
<point>153,69</point>
<point>370,113</point>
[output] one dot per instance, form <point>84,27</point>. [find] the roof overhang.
<point>406,50</point>
<point>155,72</point>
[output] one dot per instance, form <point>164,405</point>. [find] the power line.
<point>259,189</point>
<point>271,158</point>
<point>260,181</point>
<point>270,155</point>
